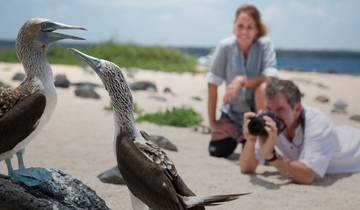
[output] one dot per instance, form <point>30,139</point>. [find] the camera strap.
<point>302,120</point>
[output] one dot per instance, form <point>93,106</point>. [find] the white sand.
<point>78,140</point>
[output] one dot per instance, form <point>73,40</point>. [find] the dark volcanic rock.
<point>19,76</point>
<point>163,142</point>
<point>355,117</point>
<point>112,176</point>
<point>322,99</point>
<point>61,81</point>
<point>61,192</point>
<point>340,107</point>
<point>169,91</point>
<point>143,85</point>
<point>77,84</point>
<point>86,91</point>
<point>196,98</point>
<point>204,129</point>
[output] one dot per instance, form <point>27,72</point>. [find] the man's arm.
<point>248,162</point>
<point>295,170</point>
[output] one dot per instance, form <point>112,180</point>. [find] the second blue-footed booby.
<point>148,172</point>
<point>27,108</point>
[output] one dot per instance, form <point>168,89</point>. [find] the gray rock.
<point>340,107</point>
<point>169,91</point>
<point>322,99</point>
<point>143,85</point>
<point>204,129</point>
<point>158,98</point>
<point>163,142</point>
<point>112,176</point>
<point>196,98</point>
<point>77,84</point>
<point>61,81</point>
<point>19,76</point>
<point>61,192</point>
<point>355,117</point>
<point>86,91</point>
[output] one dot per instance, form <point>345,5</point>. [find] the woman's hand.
<point>237,83</point>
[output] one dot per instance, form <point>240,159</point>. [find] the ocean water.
<point>340,65</point>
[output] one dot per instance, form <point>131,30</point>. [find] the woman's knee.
<point>222,148</point>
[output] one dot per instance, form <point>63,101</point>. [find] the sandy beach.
<point>78,140</point>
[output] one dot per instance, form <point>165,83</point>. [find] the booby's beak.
<point>48,36</point>
<point>95,63</point>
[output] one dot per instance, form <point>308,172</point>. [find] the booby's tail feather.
<point>212,200</point>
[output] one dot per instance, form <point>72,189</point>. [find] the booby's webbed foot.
<point>31,176</point>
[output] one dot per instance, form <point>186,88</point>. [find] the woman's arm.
<point>212,101</point>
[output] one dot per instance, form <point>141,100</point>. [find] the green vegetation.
<point>124,55</point>
<point>176,116</point>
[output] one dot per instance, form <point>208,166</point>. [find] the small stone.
<point>340,107</point>
<point>196,98</point>
<point>355,118</point>
<point>19,76</point>
<point>86,91</point>
<point>322,99</point>
<point>143,85</point>
<point>112,176</point>
<point>163,142</point>
<point>61,81</point>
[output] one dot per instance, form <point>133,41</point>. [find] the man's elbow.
<point>307,180</point>
<point>247,170</point>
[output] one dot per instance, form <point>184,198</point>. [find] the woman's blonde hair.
<point>254,13</point>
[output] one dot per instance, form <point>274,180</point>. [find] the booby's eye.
<point>47,27</point>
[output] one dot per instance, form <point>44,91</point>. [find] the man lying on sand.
<point>310,145</point>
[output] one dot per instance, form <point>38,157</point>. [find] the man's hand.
<point>246,133</point>
<point>268,142</point>
<point>237,83</point>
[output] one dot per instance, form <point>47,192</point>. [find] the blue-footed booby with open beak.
<point>27,108</point>
<point>148,172</point>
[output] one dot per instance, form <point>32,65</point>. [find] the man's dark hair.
<point>288,88</point>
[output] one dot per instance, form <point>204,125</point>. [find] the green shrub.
<point>124,55</point>
<point>176,116</point>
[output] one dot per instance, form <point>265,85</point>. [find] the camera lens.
<point>257,126</point>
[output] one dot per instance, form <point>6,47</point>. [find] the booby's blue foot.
<point>31,176</point>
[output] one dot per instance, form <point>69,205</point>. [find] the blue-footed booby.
<point>27,108</point>
<point>149,174</point>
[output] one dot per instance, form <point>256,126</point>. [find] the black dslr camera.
<point>257,124</point>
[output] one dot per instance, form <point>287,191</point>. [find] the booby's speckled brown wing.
<point>156,155</point>
<point>20,120</point>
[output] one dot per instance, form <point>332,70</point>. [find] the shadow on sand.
<point>261,180</point>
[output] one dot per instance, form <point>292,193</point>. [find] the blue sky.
<point>306,24</point>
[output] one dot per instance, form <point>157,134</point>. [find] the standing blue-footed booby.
<point>148,172</point>
<point>27,108</point>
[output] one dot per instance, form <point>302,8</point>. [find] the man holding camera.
<point>310,145</point>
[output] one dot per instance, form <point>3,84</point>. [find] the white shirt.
<point>321,146</point>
